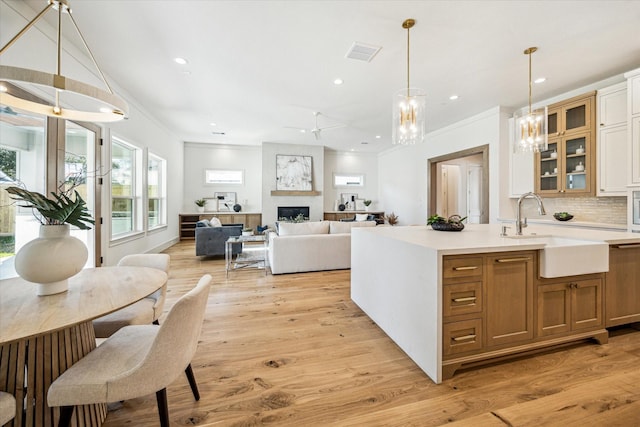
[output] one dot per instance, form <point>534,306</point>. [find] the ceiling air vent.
<point>362,52</point>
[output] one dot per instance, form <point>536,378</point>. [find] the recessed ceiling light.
<point>338,82</point>
<point>453,97</point>
<point>181,61</point>
<point>378,137</point>
<point>213,124</point>
<point>540,80</point>
<point>303,131</point>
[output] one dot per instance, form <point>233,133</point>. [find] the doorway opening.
<point>459,184</point>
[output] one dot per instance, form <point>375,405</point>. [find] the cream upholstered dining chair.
<point>136,361</point>
<point>7,408</point>
<point>143,312</point>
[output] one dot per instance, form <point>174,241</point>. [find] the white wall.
<point>350,163</point>
<point>198,157</point>
<point>403,172</point>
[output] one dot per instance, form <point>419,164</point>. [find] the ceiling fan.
<point>317,130</point>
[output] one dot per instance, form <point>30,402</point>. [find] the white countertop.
<point>483,238</point>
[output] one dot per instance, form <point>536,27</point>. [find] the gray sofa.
<point>210,240</point>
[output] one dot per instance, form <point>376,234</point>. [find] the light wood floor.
<point>294,350</point>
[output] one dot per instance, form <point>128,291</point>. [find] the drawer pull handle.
<point>627,245</point>
<point>464,338</point>
<point>471,267</point>
<point>465,299</point>
<point>513,259</point>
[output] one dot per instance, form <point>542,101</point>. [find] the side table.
<point>253,255</point>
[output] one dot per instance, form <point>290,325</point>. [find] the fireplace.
<point>293,213</point>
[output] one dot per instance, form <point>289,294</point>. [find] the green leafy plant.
<point>247,230</point>
<point>200,202</point>
<point>453,219</point>
<point>367,202</point>
<point>59,210</point>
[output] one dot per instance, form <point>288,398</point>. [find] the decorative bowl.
<point>447,226</point>
<point>562,216</point>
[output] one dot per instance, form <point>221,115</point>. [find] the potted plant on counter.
<point>55,255</point>
<point>453,223</point>
<point>247,231</point>
<point>367,203</point>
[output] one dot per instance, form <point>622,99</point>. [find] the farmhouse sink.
<point>568,257</point>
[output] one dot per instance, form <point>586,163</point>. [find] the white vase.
<point>51,259</point>
<point>200,208</point>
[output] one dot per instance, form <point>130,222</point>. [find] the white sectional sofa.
<point>312,246</point>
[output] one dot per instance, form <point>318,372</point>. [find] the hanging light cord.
<point>408,31</point>
<point>530,83</point>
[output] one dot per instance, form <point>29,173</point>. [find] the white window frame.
<point>224,176</point>
<point>162,197</point>
<point>342,180</point>
<point>136,196</point>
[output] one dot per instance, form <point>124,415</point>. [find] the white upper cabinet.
<point>612,141</point>
<point>633,117</point>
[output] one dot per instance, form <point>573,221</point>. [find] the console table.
<point>187,221</point>
<point>338,215</point>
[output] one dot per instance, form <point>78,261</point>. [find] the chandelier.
<point>409,106</point>
<point>530,125</point>
<point>101,105</point>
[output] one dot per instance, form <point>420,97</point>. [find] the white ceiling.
<point>258,67</point>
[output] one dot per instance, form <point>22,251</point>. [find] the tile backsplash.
<point>606,210</point>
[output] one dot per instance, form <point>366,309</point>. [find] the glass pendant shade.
<point>530,130</point>
<point>409,116</point>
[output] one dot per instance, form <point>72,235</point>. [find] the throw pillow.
<point>361,217</point>
<point>215,222</point>
<point>203,223</point>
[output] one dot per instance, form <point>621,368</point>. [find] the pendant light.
<point>530,125</point>
<point>409,107</point>
<point>91,104</point>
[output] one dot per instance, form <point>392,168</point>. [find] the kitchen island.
<point>453,300</point>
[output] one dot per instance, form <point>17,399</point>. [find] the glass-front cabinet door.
<point>547,177</point>
<point>567,167</point>
<point>573,116</point>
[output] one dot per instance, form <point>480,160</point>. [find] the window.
<point>23,156</point>
<point>156,184</point>
<point>125,188</point>
<point>348,180</point>
<point>223,176</point>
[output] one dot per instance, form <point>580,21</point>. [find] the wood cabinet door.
<point>623,285</point>
<point>509,297</point>
<point>253,221</point>
<point>554,309</point>
<point>586,304</point>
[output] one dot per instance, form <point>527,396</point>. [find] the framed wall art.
<point>294,173</point>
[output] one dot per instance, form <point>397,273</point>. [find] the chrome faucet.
<point>521,224</point>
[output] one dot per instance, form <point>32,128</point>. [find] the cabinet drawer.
<point>461,267</point>
<point>462,298</point>
<point>461,337</point>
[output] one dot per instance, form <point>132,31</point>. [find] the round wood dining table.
<point>42,336</point>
